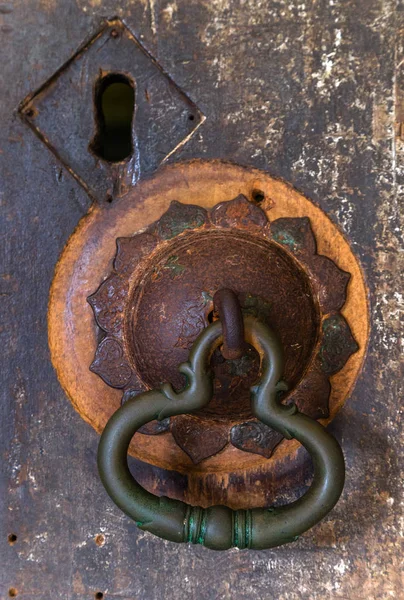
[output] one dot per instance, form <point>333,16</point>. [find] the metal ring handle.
<point>227,307</point>
<point>219,527</point>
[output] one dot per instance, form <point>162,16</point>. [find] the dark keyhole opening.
<point>114,109</point>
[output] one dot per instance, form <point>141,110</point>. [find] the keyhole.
<point>114,108</point>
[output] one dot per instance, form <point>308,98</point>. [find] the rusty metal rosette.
<point>159,297</point>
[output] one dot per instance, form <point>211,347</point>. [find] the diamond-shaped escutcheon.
<point>63,112</point>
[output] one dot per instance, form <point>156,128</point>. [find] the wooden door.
<point>311,92</point>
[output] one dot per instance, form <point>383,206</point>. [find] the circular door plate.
<point>233,477</point>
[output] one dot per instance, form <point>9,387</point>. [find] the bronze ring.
<point>219,527</point>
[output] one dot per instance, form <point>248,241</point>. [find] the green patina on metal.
<point>206,297</point>
<point>293,233</point>
<point>179,218</point>
<point>175,268</point>
<point>247,528</point>
<point>337,344</point>
<point>190,524</point>
<point>218,527</point>
<point>239,367</point>
<point>181,226</point>
<point>286,239</point>
<point>202,531</point>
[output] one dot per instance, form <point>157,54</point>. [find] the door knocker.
<point>219,527</point>
<point>136,294</point>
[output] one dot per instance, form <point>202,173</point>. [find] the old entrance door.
<point>311,92</point>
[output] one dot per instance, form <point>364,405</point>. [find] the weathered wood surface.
<point>310,92</point>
